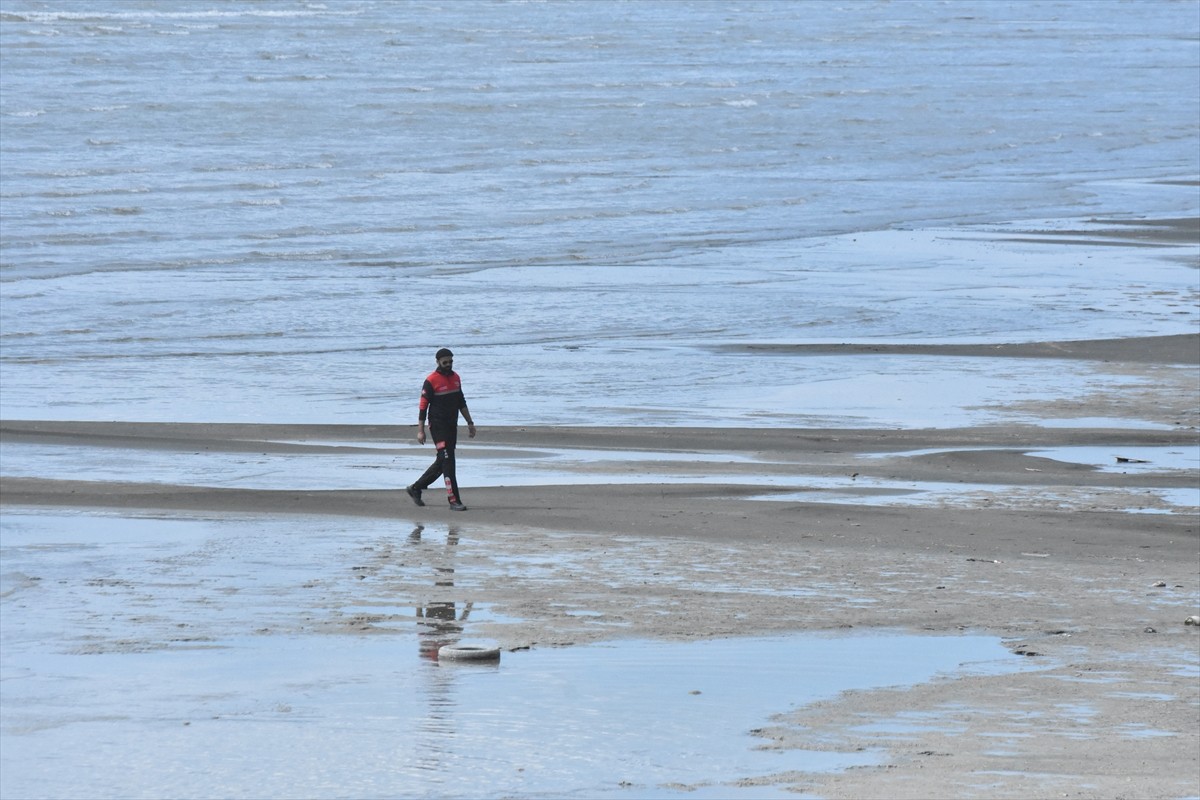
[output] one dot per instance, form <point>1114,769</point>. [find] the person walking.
<point>441,402</point>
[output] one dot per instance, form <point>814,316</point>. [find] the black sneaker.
<point>415,494</point>
<point>456,506</point>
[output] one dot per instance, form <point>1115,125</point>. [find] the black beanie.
<point>445,351</point>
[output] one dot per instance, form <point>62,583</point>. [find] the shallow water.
<point>130,671</point>
<point>356,465</point>
<point>370,717</point>
<point>586,203</point>
<point>1126,459</point>
<point>393,465</point>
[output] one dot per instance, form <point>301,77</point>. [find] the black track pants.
<point>443,465</point>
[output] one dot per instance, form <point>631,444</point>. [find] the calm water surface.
<point>166,656</point>
<point>276,211</point>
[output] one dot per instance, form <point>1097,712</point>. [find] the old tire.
<point>468,652</point>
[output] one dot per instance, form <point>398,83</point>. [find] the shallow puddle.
<point>1104,458</point>
<point>1125,459</point>
<point>377,717</point>
<point>182,657</point>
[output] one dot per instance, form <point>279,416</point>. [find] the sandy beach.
<point>1080,569</point>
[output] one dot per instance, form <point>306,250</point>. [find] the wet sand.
<point>1078,569</point>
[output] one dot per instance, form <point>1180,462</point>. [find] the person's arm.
<point>423,410</point>
<point>466,412</point>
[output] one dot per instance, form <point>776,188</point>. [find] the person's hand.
<point>421,435</point>
<point>471,429</point>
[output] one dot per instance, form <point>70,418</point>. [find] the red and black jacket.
<point>441,399</point>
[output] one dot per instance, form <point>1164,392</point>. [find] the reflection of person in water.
<point>439,622</point>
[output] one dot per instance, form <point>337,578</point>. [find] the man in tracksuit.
<point>441,401</point>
